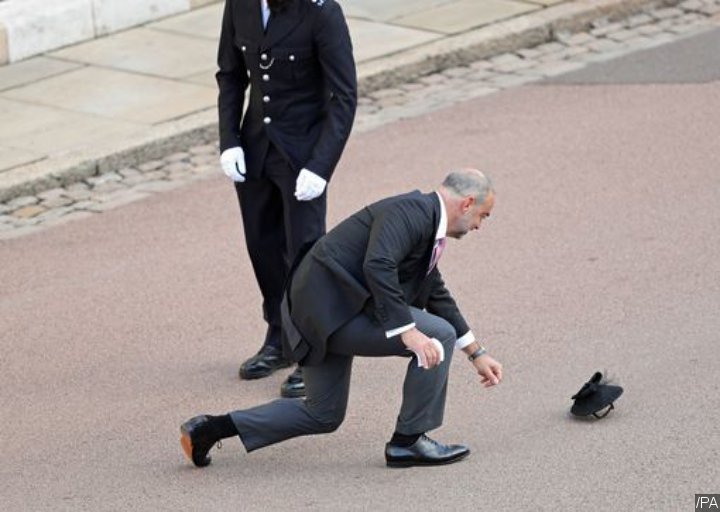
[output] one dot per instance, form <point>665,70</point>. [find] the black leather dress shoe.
<point>196,440</point>
<point>424,452</point>
<point>294,385</point>
<point>264,363</point>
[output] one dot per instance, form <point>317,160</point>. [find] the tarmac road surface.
<point>602,253</point>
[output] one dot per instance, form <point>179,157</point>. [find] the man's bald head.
<point>468,182</point>
<point>469,197</point>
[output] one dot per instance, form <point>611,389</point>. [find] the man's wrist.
<point>480,351</point>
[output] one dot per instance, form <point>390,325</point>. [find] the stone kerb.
<point>4,58</point>
<point>32,27</point>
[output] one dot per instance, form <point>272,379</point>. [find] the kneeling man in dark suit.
<point>371,287</point>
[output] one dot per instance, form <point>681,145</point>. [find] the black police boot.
<point>294,385</point>
<point>264,363</point>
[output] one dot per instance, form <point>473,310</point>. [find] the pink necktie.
<point>437,252</point>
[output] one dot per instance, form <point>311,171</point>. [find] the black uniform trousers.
<point>276,227</point>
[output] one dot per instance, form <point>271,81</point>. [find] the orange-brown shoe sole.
<point>186,444</point>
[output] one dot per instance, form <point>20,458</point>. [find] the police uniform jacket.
<point>303,88</point>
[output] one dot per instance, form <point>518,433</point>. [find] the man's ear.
<point>467,203</point>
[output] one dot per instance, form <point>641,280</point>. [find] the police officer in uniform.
<point>296,58</point>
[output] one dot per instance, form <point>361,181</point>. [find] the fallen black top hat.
<point>595,395</point>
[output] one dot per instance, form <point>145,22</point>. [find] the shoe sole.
<point>410,463</point>
<point>186,443</point>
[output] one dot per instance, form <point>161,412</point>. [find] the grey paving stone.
<point>691,5</point>
<point>504,81</point>
<point>206,170</point>
<point>385,93</point>
<point>205,149</point>
<point>685,28</point>
<point>511,66</point>
<point>177,157</point>
<point>558,68</point>
<point>458,72</point>
<point>28,212</point>
<point>481,64</point>
<point>20,202</point>
<point>528,53</point>
<point>177,167</point>
<point>691,17</point>
<point>155,186</point>
<point>109,186</point>
<point>435,78</point>
<point>150,166</point>
<point>663,14</point>
<point>647,30</point>
<point>411,86</point>
<point>574,39</point>
<point>55,213</point>
<point>78,194</point>
<point>158,174</point>
<point>85,205</point>
<point>53,193</point>
<point>57,202</point>
<point>606,29</point>
<point>640,19</point>
<point>602,21</point>
<point>367,110</point>
<point>710,10</point>
<point>622,35</point>
<point>102,179</point>
<point>205,159</point>
<point>390,101</point>
<point>481,74</point>
<point>603,46</point>
<point>77,187</point>
<point>508,58</point>
<point>128,172</point>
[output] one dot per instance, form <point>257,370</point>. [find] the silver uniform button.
<point>267,120</point>
<point>292,58</point>
<point>266,99</point>
<point>266,78</point>
<point>263,56</point>
<point>243,48</point>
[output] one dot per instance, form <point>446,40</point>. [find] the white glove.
<point>309,186</point>
<point>438,345</point>
<point>232,162</point>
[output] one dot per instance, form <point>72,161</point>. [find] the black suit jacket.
<point>374,262</point>
<point>303,90</point>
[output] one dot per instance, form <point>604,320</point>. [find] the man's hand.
<point>309,186</point>
<point>232,161</point>
<point>489,370</point>
<point>426,349</point>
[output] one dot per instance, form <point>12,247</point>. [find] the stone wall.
<point>32,27</point>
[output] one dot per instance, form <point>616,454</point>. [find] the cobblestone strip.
<point>569,51</point>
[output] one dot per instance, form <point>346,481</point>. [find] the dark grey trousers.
<point>327,386</point>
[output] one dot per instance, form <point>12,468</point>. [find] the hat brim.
<point>602,398</point>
